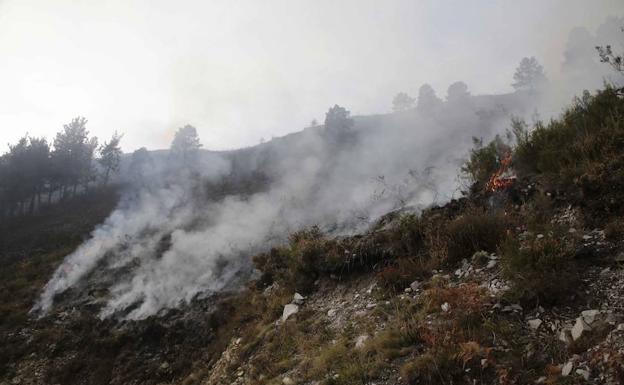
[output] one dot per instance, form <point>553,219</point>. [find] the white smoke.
<point>177,243</point>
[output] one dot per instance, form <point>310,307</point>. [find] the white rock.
<point>408,290</point>
<point>445,307</point>
<point>288,381</point>
<point>567,368</point>
<point>540,236</point>
<point>360,340</point>
<point>331,312</point>
<point>491,264</point>
<point>514,308</point>
<point>564,336</point>
<point>583,373</point>
<point>589,316</point>
<point>289,310</point>
<point>535,323</point>
<point>579,328</point>
<point>298,299</point>
<point>371,305</point>
<point>415,285</point>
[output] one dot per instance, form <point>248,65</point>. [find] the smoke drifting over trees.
<point>33,168</point>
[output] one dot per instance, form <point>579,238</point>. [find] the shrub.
<point>298,264</point>
<point>591,131</point>
<point>484,160</point>
<point>614,230</point>
<point>454,340</point>
<point>475,231</point>
<point>403,271</point>
<point>408,235</point>
<point>543,269</point>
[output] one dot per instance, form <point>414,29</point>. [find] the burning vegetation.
<point>502,178</point>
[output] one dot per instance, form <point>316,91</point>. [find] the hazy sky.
<point>242,70</point>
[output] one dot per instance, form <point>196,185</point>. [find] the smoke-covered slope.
<point>183,230</point>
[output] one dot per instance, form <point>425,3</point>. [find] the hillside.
<point>517,282</point>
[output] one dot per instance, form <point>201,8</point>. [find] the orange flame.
<point>502,178</point>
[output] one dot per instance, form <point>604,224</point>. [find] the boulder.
<point>565,336</point>
<point>298,299</point>
<point>360,340</point>
<point>579,328</point>
<point>289,310</point>
<point>589,316</point>
<point>534,323</point>
<point>567,368</point>
<point>583,373</point>
<point>414,285</point>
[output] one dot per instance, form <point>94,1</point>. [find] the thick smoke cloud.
<point>174,237</point>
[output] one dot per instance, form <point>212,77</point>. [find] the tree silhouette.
<point>185,145</point>
<point>428,101</point>
<point>402,102</point>
<point>110,156</point>
<point>73,153</point>
<point>457,92</point>
<point>338,124</point>
<point>529,75</point>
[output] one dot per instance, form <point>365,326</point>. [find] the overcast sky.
<point>244,70</point>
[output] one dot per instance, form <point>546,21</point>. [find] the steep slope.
<point>517,285</point>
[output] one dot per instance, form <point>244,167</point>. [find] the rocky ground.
<point>587,333</point>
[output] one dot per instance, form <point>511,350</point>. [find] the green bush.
<point>590,132</point>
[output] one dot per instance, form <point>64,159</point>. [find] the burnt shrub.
<point>403,271</point>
